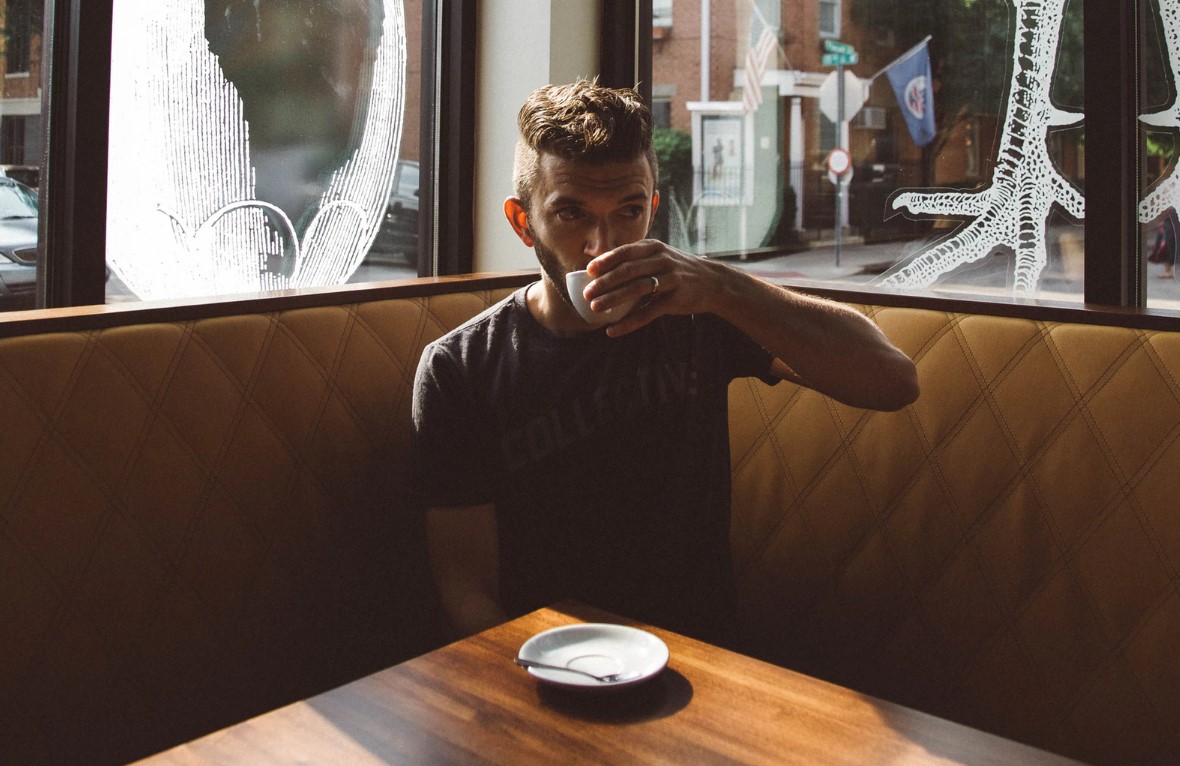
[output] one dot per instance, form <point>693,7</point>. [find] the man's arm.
<point>465,560</point>
<point>822,344</point>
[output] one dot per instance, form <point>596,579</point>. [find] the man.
<point>561,460</point>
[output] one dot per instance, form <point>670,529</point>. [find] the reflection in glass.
<point>20,151</point>
<point>966,172</point>
<point>1013,211</point>
<point>253,146</point>
<point>1161,119</point>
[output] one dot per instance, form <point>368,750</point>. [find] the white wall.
<point>523,44</point>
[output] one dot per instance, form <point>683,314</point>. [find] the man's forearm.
<point>830,347</point>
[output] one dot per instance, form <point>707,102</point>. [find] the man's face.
<point>581,211</point>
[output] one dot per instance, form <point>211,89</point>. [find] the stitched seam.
<point>1115,650</point>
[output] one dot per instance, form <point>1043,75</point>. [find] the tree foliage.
<point>673,150</point>
<point>23,18</point>
<point>970,51</point>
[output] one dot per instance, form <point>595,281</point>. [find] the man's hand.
<point>822,344</point>
<point>687,284</point>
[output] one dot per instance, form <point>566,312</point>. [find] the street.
<point>990,278</point>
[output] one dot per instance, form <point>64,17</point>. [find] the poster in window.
<point>721,160</point>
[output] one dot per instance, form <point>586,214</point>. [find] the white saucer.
<point>599,648</point>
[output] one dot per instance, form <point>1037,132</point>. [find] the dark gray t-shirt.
<point>607,458</point>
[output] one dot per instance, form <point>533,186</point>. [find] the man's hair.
<point>581,122</point>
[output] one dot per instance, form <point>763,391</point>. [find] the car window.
<point>17,202</point>
<point>407,180</point>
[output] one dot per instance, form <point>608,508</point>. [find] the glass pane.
<point>20,153</point>
<point>261,146</point>
<point>1160,119</point>
<point>935,147</point>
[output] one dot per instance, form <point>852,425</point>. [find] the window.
<point>288,179</point>
<point>661,13</point>
<point>260,146</point>
<point>20,154</point>
<point>903,200</point>
<point>829,18</point>
<point>662,97</point>
<point>931,109</point>
<point>20,19</point>
<point>1160,197</point>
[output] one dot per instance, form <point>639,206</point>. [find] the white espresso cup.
<point>575,283</point>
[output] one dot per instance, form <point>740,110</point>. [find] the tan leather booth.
<point>1004,552</point>
<point>200,516</point>
<point>201,519</point>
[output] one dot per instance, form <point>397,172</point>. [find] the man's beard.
<point>554,271</point>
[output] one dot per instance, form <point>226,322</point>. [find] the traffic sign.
<point>840,59</point>
<point>839,162</point>
<point>829,96</point>
<point>835,46</point>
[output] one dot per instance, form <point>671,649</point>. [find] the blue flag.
<point>912,84</point>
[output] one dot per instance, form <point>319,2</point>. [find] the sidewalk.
<point>860,264</point>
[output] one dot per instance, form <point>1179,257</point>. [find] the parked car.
<point>398,237</point>
<point>29,175</point>
<point>18,245</point>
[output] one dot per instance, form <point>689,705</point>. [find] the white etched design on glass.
<point>184,218</point>
<point>1166,194</point>
<point>1013,211</point>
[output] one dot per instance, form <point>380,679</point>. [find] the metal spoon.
<point>606,678</point>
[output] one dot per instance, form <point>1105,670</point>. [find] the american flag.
<point>756,58</point>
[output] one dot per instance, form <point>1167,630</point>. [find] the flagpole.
<point>777,43</point>
<point>901,58</point>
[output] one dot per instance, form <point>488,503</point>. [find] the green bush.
<point>674,152</point>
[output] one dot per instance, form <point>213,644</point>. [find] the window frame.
<point>75,111</point>
<point>1115,280</point>
<point>76,49</point>
<point>838,8</point>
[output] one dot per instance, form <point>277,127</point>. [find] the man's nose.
<point>599,239</point>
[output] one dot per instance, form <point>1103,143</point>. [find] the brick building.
<point>20,102</point>
<point>788,136</point>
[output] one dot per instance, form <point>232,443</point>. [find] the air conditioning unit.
<point>870,118</point>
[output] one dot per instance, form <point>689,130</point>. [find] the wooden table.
<point>468,703</point>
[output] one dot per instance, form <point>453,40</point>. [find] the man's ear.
<point>518,218</point>
<point>655,205</point>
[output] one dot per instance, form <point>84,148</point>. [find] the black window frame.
<point>1115,280</point>
<point>76,59</point>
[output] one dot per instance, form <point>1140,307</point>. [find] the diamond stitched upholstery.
<point>198,521</point>
<point>1005,552</point>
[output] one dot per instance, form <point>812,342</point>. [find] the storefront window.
<point>20,153</point>
<point>261,146</point>
<point>918,146</point>
<point>1160,121</point>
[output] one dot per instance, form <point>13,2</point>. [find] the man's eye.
<point>633,211</point>
<point>569,213</point>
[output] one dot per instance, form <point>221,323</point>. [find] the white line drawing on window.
<point>1013,211</point>
<point>1165,195</point>
<point>185,214</point>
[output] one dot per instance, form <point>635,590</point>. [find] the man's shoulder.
<point>481,330</point>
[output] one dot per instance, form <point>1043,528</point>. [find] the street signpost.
<point>839,164</point>
<point>840,55</point>
<point>829,91</point>
<point>840,59</point>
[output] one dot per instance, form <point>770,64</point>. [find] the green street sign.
<point>835,46</point>
<point>840,59</point>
